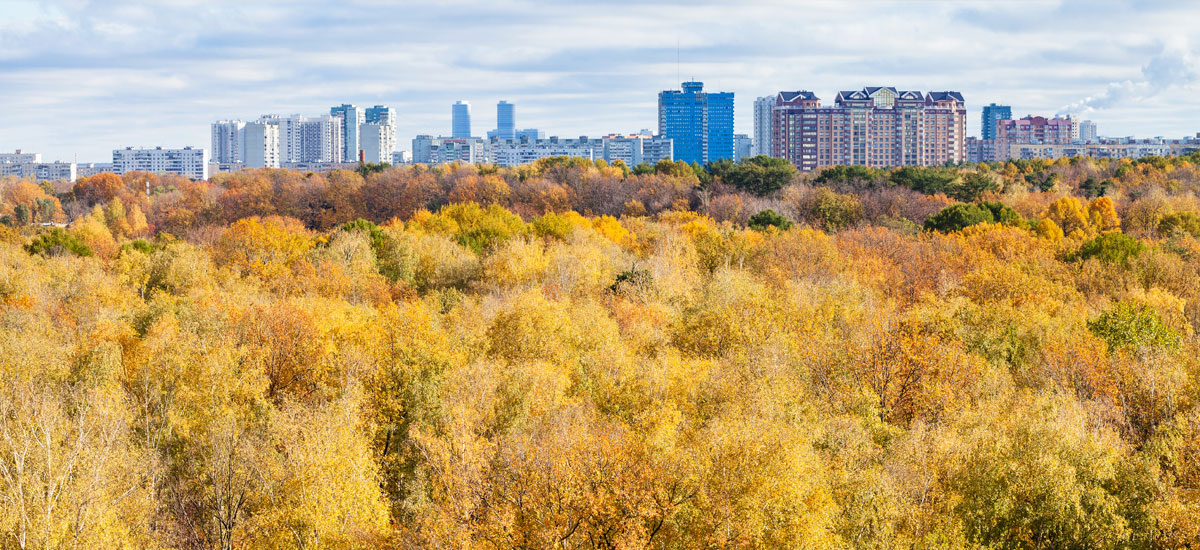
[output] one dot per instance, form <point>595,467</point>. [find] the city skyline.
<point>159,75</point>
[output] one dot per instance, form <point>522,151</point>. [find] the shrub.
<point>1133,326</point>
<point>769,218</point>
<point>1180,222</point>
<point>57,242</point>
<point>1113,248</point>
<point>958,216</point>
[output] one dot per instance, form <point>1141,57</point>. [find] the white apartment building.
<point>227,136</point>
<point>378,142</point>
<point>261,145</point>
<point>20,157</point>
<point>762,126</point>
<point>39,171</point>
<point>321,140</point>
<point>189,162</point>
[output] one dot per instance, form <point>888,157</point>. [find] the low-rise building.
<point>188,162</point>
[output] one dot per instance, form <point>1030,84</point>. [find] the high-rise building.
<point>378,142</point>
<point>351,118</point>
<point>187,162</point>
<point>260,148</point>
<point>227,140</point>
<point>530,133</point>
<point>1087,131</point>
<point>381,114</point>
<point>291,137</point>
<point>992,115</point>
<point>321,140</point>
<point>460,120</point>
<point>700,124</point>
<point>1074,119</point>
<point>743,147</point>
<point>762,125</point>
<point>506,127</point>
<point>877,127</point>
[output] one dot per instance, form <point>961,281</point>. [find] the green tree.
<point>958,216</point>
<point>1112,248</point>
<point>769,218</point>
<point>1133,326</point>
<point>57,242</point>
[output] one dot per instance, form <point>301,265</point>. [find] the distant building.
<point>401,157</point>
<point>20,157</point>
<point>992,115</point>
<point>1074,120</point>
<point>1087,131</point>
<point>743,147</point>
<point>460,120</point>
<point>227,139</point>
<point>762,124</point>
<point>321,140</point>
<point>380,114</point>
<point>878,127</point>
<point>320,166</point>
<point>260,147</point>
<point>505,122</point>
<point>352,118</point>
<point>92,168</point>
<point>530,133</point>
<point>1115,148</point>
<point>378,142</point>
<point>1031,130</point>
<point>188,162</point>
<point>40,171</point>
<point>700,124</point>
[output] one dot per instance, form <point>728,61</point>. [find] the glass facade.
<point>460,120</point>
<point>699,124</point>
<point>992,115</point>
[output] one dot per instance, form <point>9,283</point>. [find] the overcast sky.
<point>83,77</point>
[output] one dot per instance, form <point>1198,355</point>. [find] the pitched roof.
<point>799,94</point>
<point>945,96</point>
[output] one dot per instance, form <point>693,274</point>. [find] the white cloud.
<point>89,76</point>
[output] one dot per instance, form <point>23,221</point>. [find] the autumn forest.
<point>578,355</point>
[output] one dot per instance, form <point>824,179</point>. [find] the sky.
<point>79,78</point>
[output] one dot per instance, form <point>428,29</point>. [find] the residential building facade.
<point>762,125</point>
<point>351,118</point>
<point>1087,131</point>
<point>878,127</point>
<point>743,147</point>
<point>378,142</point>
<point>40,171</point>
<point>188,162</point>
<point>261,145</point>
<point>992,115</point>
<point>20,157</point>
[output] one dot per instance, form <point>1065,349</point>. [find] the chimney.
<point>362,156</point>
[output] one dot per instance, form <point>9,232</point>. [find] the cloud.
<point>1174,66</point>
<point>571,69</point>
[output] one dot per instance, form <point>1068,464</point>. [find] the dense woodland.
<point>579,355</point>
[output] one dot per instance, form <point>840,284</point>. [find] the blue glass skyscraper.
<point>992,115</point>
<point>460,120</point>
<point>699,124</point>
<point>506,126</point>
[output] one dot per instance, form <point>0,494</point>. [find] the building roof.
<point>946,96</point>
<point>799,94</point>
